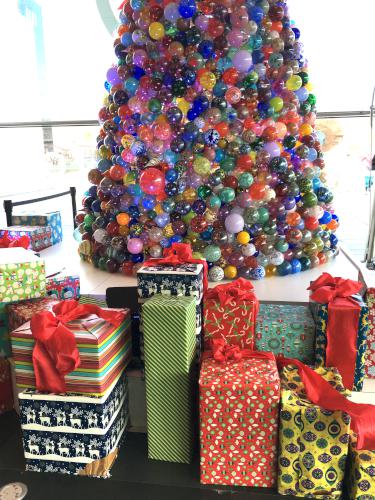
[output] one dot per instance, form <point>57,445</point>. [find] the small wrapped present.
<point>370,355</point>
<point>361,477</point>
<point>22,275</point>
<point>40,236</point>
<point>176,274</point>
<point>341,327</point>
<point>20,313</point>
<point>286,330</point>
<point>73,434</point>
<point>75,348</point>
<point>51,219</point>
<point>63,286</point>
<point>230,313</point>
<point>169,343</point>
<point>313,442</point>
<point>239,394</point>
<point>5,347</point>
<point>6,392</point>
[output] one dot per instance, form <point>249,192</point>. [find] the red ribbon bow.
<point>180,253</point>
<point>222,352</point>
<point>321,393</point>
<point>22,241</point>
<point>239,289</point>
<point>342,325</point>
<point>55,352</point>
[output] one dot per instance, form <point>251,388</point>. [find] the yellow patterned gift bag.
<point>313,442</point>
<point>361,478</point>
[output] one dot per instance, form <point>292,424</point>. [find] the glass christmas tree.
<point>208,137</point>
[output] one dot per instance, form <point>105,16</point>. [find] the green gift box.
<point>286,330</point>
<point>22,275</point>
<point>361,477</point>
<point>5,347</point>
<point>169,345</point>
<point>313,442</point>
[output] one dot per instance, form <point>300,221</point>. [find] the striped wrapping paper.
<point>104,351</point>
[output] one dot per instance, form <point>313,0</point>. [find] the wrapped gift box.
<point>313,442</point>
<point>320,314</point>
<point>361,477</point>
<point>198,320</point>
<point>286,330</point>
<point>239,402</point>
<point>6,393</point>
<point>40,236</point>
<point>370,356</point>
<point>180,279</point>
<point>51,219</point>
<point>105,350</point>
<point>62,286</point>
<point>73,434</point>
<point>97,300</point>
<point>5,347</point>
<point>169,343</point>
<point>22,312</point>
<point>22,275</point>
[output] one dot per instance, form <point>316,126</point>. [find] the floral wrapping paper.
<point>63,287</point>
<point>234,322</point>
<point>51,219</point>
<point>361,477</point>
<point>40,236</point>
<point>22,312</point>
<point>22,275</point>
<point>313,442</point>
<point>239,404</point>
<point>370,356</point>
<point>320,312</point>
<point>5,347</point>
<point>6,392</point>
<point>286,330</point>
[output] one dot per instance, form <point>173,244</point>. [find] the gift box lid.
<point>16,256</point>
<point>234,374</point>
<point>189,269</point>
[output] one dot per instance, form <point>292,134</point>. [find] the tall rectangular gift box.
<point>63,286</point>
<point>361,476</point>
<point>73,434</point>
<point>230,313</point>
<point>239,405</point>
<point>40,236</point>
<point>313,442</point>
<point>22,275</point>
<point>341,319</point>
<point>370,356</point>
<point>169,341</point>
<point>286,330</point>
<point>6,392</point>
<point>104,351</point>
<point>51,219</point>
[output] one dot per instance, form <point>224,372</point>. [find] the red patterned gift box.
<point>22,312</point>
<point>6,393</point>
<point>370,357</point>
<point>40,236</point>
<point>230,313</point>
<point>63,286</point>
<point>239,401</point>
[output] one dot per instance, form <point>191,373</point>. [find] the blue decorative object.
<point>52,219</point>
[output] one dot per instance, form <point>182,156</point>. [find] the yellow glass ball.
<point>202,165</point>
<point>243,237</point>
<point>190,195</point>
<point>277,103</point>
<point>129,178</point>
<point>158,209</point>
<point>306,129</point>
<point>294,83</point>
<point>183,105</point>
<point>85,247</point>
<point>271,270</point>
<point>168,230</point>
<point>156,30</point>
<point>127,140</point>
<point>207,80</point>
<point>210,216</point>
<point>230,272</point>
<point>104,152</point>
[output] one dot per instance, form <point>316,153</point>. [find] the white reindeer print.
<point>93,453</point>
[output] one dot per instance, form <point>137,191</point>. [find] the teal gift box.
<point>286,330</point>
<point>51,219</point>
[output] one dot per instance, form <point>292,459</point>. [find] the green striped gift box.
<point>170,344</point>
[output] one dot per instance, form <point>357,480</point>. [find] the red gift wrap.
<point>239,402</point>
<point>22,312</point>
<point>6,392</point>
<point>230,313</point>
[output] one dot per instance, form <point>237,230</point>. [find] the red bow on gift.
<point>22,241</point>
<point>55,352</point>
<point>342,325</point>
<point>222,352</point>
<point>180,253</point>
<point>239,289</point>
<point>321,393</point>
